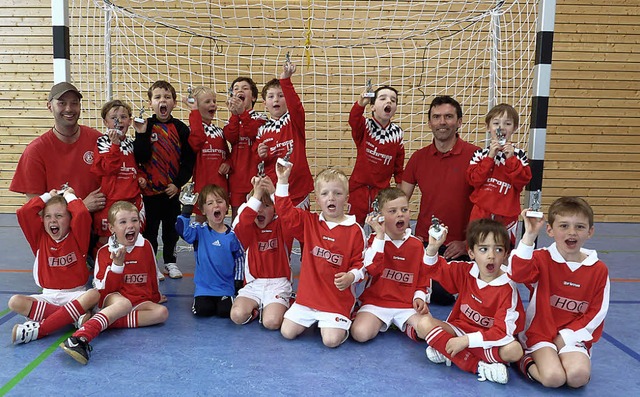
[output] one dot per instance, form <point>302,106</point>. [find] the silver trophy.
<point>113,243</point>
<point>502,137</point>
<point>187,195</point>
<point>287,59</point>
<point>369,93</point>
<point>230,92</point>
<point>376,211</point>
<point>63,188</point>
<point>140,118</point>
<point>535,212</point>
<point>190,98</point>
<point>285,160</point>
<point>436,230</point>
<point>261,169</point>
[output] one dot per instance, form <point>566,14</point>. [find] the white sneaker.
<point>172,270</point>
<point>496,372</point>
<point>25,333</point>
<point>159,274</point>
<point>436,357</point>
<point>82,319</point>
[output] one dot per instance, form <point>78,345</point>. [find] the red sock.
<point>128,321</point>
<point>92,328</point>
<point>464,360</point>
<point>491,355</point>
<point>411,333</point>
<point>64,315</point>
<point>41,310</point>
<point>525,362</point>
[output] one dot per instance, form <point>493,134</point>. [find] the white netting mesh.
<point>422,48</point>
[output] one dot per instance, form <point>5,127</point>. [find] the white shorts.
<point>578,347</point>
<point>59,297</point>
<point>389,316</point>
<point>268,290</point>
<point>307,316</point>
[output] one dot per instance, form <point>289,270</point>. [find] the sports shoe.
<point>436,357</point>
<point>495,372</point>
<point>78,348</point>
<point>25,333</point>
<point>172,270</point>
<point>159,274</point>
<point>82,319</point>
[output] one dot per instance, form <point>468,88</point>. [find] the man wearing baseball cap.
<point>63,154</point>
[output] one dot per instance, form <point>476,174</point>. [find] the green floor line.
<point>33,364</point>
<point>5,311</point>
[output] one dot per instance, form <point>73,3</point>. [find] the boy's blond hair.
<point>200,90</point>
<point>211,189</point>
<point>273,83</point>
<point>59,199</point>
<point>116,103</point>
<point>479,229</point>
<point>117,207</point>
<point>331,175</point>
<point>265,199</point>
<point>501,109</point>
<point>164,85</point>
<point>570,205</point>
<point>389,194</point>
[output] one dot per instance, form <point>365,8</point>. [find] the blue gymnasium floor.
<point>213,357</point>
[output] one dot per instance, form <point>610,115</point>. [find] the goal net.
<point>480,52</point>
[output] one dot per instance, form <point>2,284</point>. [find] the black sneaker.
<point>78,348</point>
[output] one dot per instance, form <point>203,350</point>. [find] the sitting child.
<point>268,244</point>
<point>60,241</point>
<point>478,336</point>
<point>331,258</point>
<point>125,275</point>
<point>396,293</point>
<point>570,298</point>
<point>218,253</point>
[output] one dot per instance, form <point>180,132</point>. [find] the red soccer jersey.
<point>445,191</point>
<point>569,298</point>
<point>59,264</point>
<point>40,167</point>
<point>491,314</point>
<point>210,147</point>
<point>136,280</point>
<point>241,132</point>
<point>117,168</point>
<point>329,248</point>
<point>280,135</point>
<point>398,274</point>
<point>267,250</point>
<point>498,182</point>
<point>380,151</point>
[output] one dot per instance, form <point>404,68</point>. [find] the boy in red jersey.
<point>570,299</point>
<point>115,165</point>
<point>500,172</point>
<point>267,269</point>
<point>380,147</point>
<point>285,132</point>
<point>125,274</point>
<point>241,132</point>
<point>166,159</point>
<point>60,241</point>
<point>208,143</point>
<point>331,258</point>
<point>479,334</point>
<point>396,293</point>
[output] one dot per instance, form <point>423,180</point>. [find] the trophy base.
<point>191,100</point>
<point>139,120</point>
<point>284,163</point>
<point>436,234</point>
<point>114,245</point>
<point>369,95</point>
<point>534,214</point>
<point>188,199</point>
<point>380,219</point>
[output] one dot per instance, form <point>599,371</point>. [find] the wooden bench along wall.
<point>593,139</point>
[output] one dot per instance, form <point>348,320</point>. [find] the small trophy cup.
<point>502,137</point>
<point>63,188</point>
<point>187,196</point>
<point>376,211</point>
<point>114,245</point>
<point>287,59</point>
<point>535,212</point>
<point>285,160</point>
<point>436,230</point>
<point>140,118</point>
<point>369,93</point>
<point>190,98</point>
<point>261,169</point>
<point>230,91</point>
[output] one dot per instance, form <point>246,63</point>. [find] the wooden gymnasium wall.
<point>593,143</point>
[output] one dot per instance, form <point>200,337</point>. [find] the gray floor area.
<point>210,357</point>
